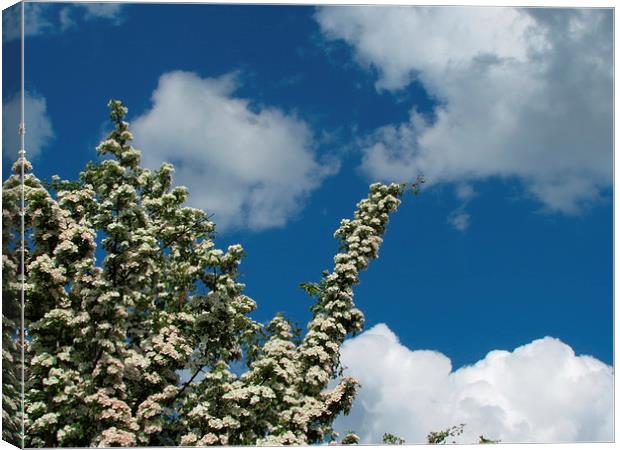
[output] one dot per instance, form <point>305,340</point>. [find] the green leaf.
<point>312,289</point>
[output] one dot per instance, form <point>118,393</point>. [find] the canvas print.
<point>295,225</point>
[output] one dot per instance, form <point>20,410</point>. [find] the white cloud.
<point>540,392</point>
<point>252,168</point>
<point>48,18</point>
<point>39,132</point>
<point>459,219</point>
<point>110,11</point>
<point>522,93</point>
<point>465,192</point>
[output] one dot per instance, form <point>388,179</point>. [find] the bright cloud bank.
<point>522,94</point>
<point>540,392</point>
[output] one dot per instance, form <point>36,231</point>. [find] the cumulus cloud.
<point>251,167</point>
<point>48,18</point>
<point>521,93</point>
<point>39,132</point>
<point>540,392</point>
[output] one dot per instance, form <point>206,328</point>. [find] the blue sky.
<point>510,241</point>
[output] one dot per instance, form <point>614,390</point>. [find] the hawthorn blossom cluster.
<point>11,309</point>
<point>136,349</point>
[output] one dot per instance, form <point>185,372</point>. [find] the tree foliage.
<point>135,316</point>
<point>443,436</point>
<point>391,439</point>
<point>11,309</point>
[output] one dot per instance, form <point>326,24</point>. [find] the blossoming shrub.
<point>109,339</point>
<point>11,312</point>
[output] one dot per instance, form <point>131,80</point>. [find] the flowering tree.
<point>11,311</point>
<point>109,341</point>
<point>449,436</point>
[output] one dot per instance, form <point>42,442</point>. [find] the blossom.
<point>208,439</point>
<point>112,437</point>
